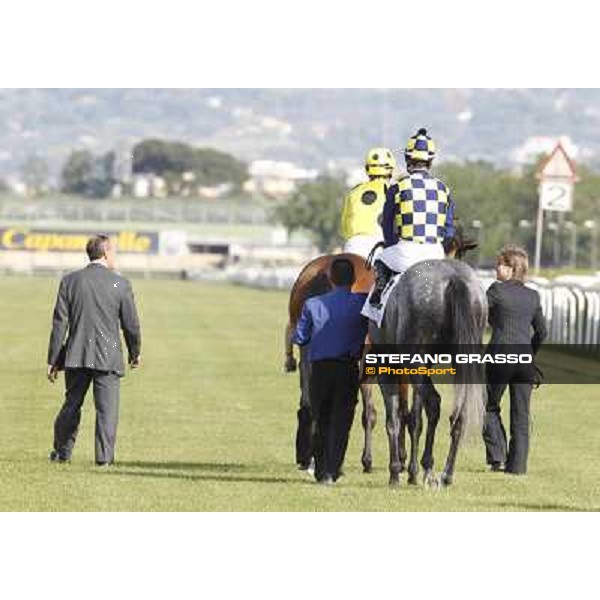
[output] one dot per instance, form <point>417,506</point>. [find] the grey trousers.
<point>106,387</point>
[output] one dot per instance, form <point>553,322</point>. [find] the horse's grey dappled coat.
<point>437,302</point>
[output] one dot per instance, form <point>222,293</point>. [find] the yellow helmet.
<point>420,147</point>
<point>380,162</point>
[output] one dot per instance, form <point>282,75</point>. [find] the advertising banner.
<point>48,240</point>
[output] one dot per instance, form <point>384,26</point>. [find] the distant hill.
<point>314,127</point>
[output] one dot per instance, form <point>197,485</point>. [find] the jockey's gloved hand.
<point>290,364</point>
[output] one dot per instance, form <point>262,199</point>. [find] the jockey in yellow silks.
<point>363,206</point>
<point>418,216</point>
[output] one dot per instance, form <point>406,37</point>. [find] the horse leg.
<point>404,416</point>
<point>369,418</point>
<point>456,429</point>
<point>392,426</point>
<point>290,364</point>
<point>415,427</point>
<point>431,403</point>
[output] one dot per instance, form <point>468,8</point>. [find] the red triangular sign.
<point>558,165</point>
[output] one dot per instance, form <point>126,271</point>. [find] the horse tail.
<point>464,330</point>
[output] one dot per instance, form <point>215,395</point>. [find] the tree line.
<point>493,205</point>
<point>182,167</point>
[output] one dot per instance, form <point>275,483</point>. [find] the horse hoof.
<point>446,480</point>
<point>430,481</point>
<point>394,480</point>
<point>413,479</point>
<point>367,468</point>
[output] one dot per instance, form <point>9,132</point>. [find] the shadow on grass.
<point>542,507</point>
<point>225,477</point>
<point>190,466</point>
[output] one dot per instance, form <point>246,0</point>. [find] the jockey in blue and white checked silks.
<point>418,215</point>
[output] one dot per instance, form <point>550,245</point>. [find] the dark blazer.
<point>90,307</point>
<point>514,310</point>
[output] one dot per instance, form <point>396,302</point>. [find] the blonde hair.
<point>517,259</point>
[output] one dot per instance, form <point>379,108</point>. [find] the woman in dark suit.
<point>514,311</point>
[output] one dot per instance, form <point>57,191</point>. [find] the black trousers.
<point>106,400</point>
<point>518,379</point>
<point>304,431</point>
<point>334,395</point>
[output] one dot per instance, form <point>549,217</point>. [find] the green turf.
<point>208,422</point>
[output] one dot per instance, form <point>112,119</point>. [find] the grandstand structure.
<point>166,237</point>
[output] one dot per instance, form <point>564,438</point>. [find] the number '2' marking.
<point>556,193</point>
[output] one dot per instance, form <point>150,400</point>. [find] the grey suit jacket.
<point>91,306</point>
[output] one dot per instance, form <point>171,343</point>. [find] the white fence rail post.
<point>572,313</point>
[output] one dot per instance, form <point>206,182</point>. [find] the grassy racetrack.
<point>208,422</point>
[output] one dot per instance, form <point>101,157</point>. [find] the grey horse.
<point>436,302</point>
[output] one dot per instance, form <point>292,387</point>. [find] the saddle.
<point>376,314</point>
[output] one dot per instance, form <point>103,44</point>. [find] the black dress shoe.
<point>497,467</point>
<point>55,457</point>
<point>511,471</point>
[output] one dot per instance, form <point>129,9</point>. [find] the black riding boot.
<point>382,276</point>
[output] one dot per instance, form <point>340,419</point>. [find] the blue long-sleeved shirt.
<point>390,228</point>
<point>332,325</point>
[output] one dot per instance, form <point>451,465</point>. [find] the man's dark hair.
<point>96,246</point>
<point>419,164</point>
<point>342,272</point>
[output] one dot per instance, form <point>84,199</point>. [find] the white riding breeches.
<point>361,244</point>
<point>405,254</point>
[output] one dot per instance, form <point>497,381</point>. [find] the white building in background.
<point>215,192</point>
<point>141,186</point>
<point>276,178</point>
<point>147,185</point>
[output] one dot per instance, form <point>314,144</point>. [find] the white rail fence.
<point>572,313</point>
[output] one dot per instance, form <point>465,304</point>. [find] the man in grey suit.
<point>91,306</point>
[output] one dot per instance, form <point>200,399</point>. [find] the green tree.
<point>316,208</point>
<point>499,200</point>
<point>85,174</point>
<point>34,172</point>
<point>160,157</point>
<point>172,159</point>
<point>77,172</point>
<point>102,178</point>
<point>213,167</point>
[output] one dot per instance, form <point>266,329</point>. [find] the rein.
<point>371,258</point>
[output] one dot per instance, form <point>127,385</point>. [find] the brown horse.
<point>314,280</point>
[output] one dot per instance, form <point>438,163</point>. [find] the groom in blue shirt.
<point>335,330</point>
